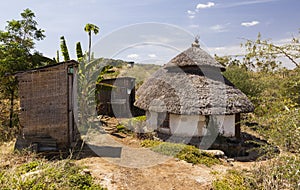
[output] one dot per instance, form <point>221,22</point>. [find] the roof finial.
<point>196,42</point>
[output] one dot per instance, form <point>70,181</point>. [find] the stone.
<point>215,153</point>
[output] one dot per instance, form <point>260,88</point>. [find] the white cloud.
<point>133,56</point>
<point>248,24</point>
<point>152,55</point>
<point>219,28</point>
<point>191,14</point>
<point>204,6</point>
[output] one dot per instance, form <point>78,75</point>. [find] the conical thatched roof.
<point>194,56</point>
<point>191,94</point>
<point>192,89</point>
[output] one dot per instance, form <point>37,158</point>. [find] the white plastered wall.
<point>187,125</point>
<point>151,121</point>
<point>195,125</point>
<point>226,125</point>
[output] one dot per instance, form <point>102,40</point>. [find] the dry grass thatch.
<point>194,56</point>
<point>191,91</point>
<point>192,84</point>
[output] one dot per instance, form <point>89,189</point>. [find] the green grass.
<point>135,124</point>
<point>150,143</point>
<point>121,128</point>
<point>233,180</point>
<point>184,152</point>
<point>43,174</point>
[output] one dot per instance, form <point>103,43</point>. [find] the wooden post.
<point>238,126</point>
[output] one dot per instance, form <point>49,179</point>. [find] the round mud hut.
<point>188,92</point>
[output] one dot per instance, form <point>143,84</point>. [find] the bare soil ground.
<point>140,168</point>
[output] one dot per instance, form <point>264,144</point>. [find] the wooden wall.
<point>115,100</point>
<point>44,103</point>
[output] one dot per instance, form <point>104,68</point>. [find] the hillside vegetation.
<point>275,92</point>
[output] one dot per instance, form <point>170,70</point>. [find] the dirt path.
<point>125,165</point>
<point>172,174</point>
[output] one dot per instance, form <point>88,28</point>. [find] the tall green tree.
<point>64,48</point>
<point>16,52</point>
<point>79,52</point>
<point>57,56</point>
<point>89,28</point>
<point>17,43</point>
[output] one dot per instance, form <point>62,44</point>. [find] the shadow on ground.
<point>248,148</point>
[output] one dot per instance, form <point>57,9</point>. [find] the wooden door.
<point>71,97</point>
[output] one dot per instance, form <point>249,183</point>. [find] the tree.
<point>64,48</point>
<point>16,46</point>
<point>57,56</point>
<point>243,80</point>
<point>79,52</point>
<point>17,42</point>
<point>89,28</point>
<point>262,54</point>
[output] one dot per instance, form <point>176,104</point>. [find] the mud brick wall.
<point>44,103</point>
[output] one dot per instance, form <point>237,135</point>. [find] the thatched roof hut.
<point>191,84</point>
<point>190,94</point>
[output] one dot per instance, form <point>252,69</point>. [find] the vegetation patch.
<point>41,174</point>
<point>233,180</point>
<point>193,155</point>
<point>138,126</point>
<point>23,170</point>
<point>169,149</point>
<point>150,143</point>
<point>184,152</point>
<point>282,172</point>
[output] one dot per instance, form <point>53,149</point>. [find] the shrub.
<point>244,80</point>
<point>283,172</point>
<point>6,133</point>
<point>282,129</point>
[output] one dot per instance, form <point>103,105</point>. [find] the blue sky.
<point>170,25</point>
